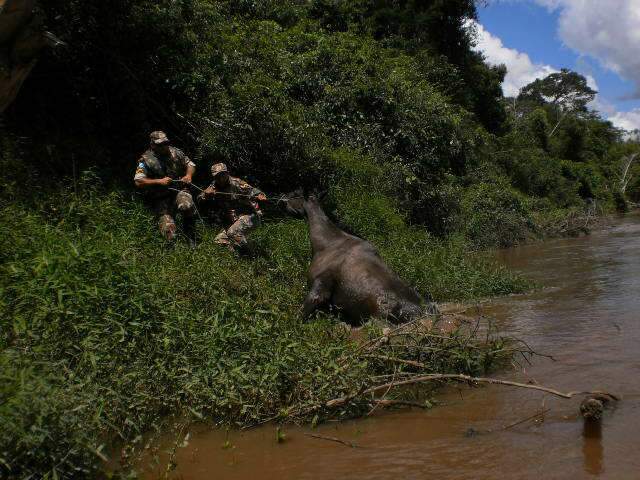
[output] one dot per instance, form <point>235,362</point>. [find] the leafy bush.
<point>278,89</point>
<point>441,269</point>
<point>496,215</point>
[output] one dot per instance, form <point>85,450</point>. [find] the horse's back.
<point>366,286</point>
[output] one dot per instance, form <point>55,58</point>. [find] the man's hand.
<point>209,192</point>
<point>186,179</point>
<point>153,182</point>
<point>261,197</point>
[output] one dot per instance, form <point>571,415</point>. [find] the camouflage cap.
<point>158,138</point>
<point>218,168</point>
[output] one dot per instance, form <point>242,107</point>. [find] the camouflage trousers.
<point>235,235</point>
<point>166,209</point>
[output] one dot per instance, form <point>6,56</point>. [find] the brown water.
<point>586,317</point>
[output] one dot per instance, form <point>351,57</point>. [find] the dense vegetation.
<point>106,330</point>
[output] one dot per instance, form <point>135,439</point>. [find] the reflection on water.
<point>592,447</point>
<point>586,316</point>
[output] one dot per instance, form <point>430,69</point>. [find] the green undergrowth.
<point>107,330</point>
<point>362,199</point>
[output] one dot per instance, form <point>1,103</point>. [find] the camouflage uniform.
<point>164,202</point>
<point>236,202</point>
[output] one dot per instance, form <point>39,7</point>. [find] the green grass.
<point>106,330</point>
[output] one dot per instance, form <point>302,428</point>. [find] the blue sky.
<point>535,37</point>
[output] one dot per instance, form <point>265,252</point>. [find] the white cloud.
<point>591,82</point>
<point>551,4</point>
<point>606,30</point>
<point>624,120</point>
<point>627,120</point>
<point>520,69</point>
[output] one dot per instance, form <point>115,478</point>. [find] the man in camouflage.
<point>237,202</point>
<point>159,168</point>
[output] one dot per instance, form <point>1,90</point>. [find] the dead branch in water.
<point>403,345</point>
<point>535,416</point>
<point>457,377</point>
<point>332,439</point>
<point>524,420</point>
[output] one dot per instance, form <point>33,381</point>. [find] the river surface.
<point>586,316</point>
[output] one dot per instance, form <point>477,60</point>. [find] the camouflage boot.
<point>167,227</point>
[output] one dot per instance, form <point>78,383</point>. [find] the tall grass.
<point>105,330</point>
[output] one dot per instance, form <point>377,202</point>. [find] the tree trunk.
<point>10,86</point>
<point>625,178</point>
<point>557,124</point>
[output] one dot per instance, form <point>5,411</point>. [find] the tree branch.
<point>332,439</point>
<point>457,377</point>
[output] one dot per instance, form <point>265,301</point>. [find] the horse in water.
<point>348,273</point>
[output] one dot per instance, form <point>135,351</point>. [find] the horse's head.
<point>294,203</point>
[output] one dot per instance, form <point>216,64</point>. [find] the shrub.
<point>495,215</point>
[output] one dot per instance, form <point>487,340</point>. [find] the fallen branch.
<point>387,335</point>
<point>532,417</point>
<point>395,370</point>
<point>332,439</point>
<point>458,377</point>
<point>473,432</point>
<point>532,352</point>
<point>403,403</point>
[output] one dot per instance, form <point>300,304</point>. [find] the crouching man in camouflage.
<point>237,202</point>
<point>161,167</point>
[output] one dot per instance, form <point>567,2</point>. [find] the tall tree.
<point>566,91</point>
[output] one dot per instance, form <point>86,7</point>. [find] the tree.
<point>22,38</point>
<point>626,156</point>
<point>626,163</point>
<point>566,91</point>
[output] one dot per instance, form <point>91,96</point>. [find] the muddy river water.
<point>587,316</point>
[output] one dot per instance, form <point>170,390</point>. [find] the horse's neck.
<point>322,231</point>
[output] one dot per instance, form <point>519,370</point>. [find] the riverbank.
<point>107,331</point>
<point>585,316</point>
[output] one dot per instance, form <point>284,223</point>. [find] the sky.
<point>597,38</point>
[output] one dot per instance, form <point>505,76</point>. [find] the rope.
<point>188,184</point>
<point>276,200</point>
